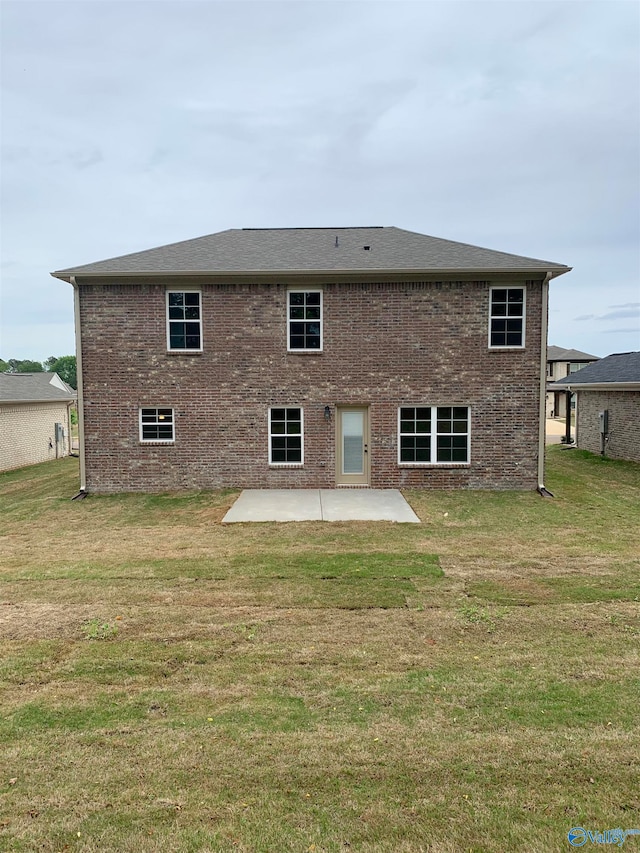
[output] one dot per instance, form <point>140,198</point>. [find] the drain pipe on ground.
<point>76,310</point>
<point>543,386</point>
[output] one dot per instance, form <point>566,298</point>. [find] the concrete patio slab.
<point>366,505</point>
<point>321,505</point>
<point>276,505</point>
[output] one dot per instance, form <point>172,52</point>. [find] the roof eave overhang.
<point>4,402</point>
<point>600,386</point>
<point>342,274</point>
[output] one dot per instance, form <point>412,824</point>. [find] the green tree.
<point>17,365</point>
<point>4,366</point>
<point>65,367</point>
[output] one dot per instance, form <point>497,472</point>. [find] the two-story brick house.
<point>312,357</point>
<point>562,362</point>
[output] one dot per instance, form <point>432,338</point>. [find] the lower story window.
<point>285,437</point>
<point>432,435</point>
<point>156,425</point>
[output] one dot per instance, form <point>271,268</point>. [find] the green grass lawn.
<point>170,683</point>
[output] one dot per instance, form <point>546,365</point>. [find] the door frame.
<point>363,479</point>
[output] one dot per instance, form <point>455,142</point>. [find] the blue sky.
<point>510,125</point>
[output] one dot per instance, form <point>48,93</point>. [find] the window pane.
<point>498,296</point>
<point>278,455</point>
<point>176,313</point>
<point>515,294</point>
<point>313,298</point>
<point>408,414</point>
<point>192,313</point>
<point>192,299</point>
<point>499,309</point>
<point>313,313</point>
<point>277,414</point>
<point>423,426</point>
<point>460,412</point>
<point>296,313</point>
<point>176,299</point>
<point>296,298</point>
<point>406,426</point>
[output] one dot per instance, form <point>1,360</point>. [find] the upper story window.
<point>507,317</point>
<point>433,435</point>
<point>184,320</point>
<point>156,425</point>
<point>304,320</point>
<point>285,437</point>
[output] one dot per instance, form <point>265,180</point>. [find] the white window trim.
<point>269,437</point>
<point>523,288</point>
<point>171,349</point>
<point>434,437</point>
<point>157,440</point>
<point>289,320</point>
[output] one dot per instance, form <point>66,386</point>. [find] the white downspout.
<point>543,386</point>
<point>76,311</point>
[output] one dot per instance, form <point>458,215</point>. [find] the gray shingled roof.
<point>561,354</point>
<point>34,388</point>
<point>619,367</point>
<point>289,250</point>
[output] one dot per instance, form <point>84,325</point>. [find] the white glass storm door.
<point>353,446</point>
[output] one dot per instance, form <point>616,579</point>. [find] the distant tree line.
<point>64,366</point>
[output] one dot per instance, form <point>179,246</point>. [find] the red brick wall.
<point>385,345</point>
<point>624,423</point>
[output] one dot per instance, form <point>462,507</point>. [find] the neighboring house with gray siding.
<point>611,385</point>
<point>35,421</point>
<point>562,362</point>
<point>312,358</point>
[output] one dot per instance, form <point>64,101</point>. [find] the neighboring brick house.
<point>560,363</point>
<point>611,385</point>
<point>312,357</point>
<point>35,423</point>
